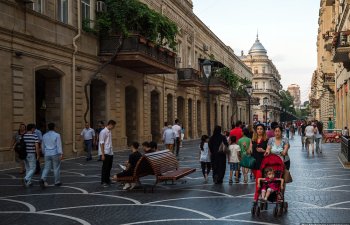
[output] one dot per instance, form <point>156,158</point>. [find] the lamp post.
<point>266,102</point>
<point>207,71</point>
<point>249,90</point>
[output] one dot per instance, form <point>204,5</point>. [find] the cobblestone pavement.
<point>318,194</point>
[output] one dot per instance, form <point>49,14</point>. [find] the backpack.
<point>20,149</point>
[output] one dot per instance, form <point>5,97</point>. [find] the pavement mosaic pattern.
<point>318,194</point>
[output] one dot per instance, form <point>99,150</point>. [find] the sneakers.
<point>132,186</point>
<point>126,186</point>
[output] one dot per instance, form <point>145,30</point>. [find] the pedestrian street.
<point>319,193</point>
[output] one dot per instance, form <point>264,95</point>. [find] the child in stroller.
<point>271,186</point>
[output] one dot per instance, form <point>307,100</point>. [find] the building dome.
<point>257,48</point>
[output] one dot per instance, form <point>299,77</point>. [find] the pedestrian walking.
<point>330,125</point>
<point>205,157</point>
<point>16,141</point>
<point>177,130</point>
<point>101,126</point>
<point>318,136</point>
<point>218,158</point>
<point>310,137</point>
<point>106,147</point>
<point>89,139</point>
<point>302,131</point>
<point>244,144</point>
<point>53,154</point>
<point>39,134</point>
<point>234,157</point>
<point>33,154</point>
<point>169,138</point>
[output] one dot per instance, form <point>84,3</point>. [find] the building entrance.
<point>131,113</point>
<point>97,102</point>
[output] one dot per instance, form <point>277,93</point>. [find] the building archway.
<point>155,116</point>
<point>97,102</point>
<point>181,109</point>
<point>48,99</point>
<point>190,120</point>
<point>170,108</point>
<point>131,112</point>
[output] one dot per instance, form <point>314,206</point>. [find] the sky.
<point>287,29</point>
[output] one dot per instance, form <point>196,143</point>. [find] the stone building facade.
<point>266,82</point>
<point>294,91</point>
<point>333,61</point>
<point>323,87</point>
<point>50,73</point>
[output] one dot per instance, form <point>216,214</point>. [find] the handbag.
<point>287,176</point>
<point>248,161</point>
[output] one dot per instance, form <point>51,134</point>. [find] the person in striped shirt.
<point>32,148</point>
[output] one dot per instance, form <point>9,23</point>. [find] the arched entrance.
<point>155,116</point>
<point>131,113</point>
<point>170,108</point>
<point>190,115</point>
<point>199,120</point>
<point>97,102</point>
<point>181,109</point>
<point>48,99</point>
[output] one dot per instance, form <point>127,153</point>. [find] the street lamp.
<point>206,65</point>
<point>249,90</point>
<point>266,102</point>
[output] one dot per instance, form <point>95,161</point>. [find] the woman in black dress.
<point>258,147</point>
<point>218,159</point>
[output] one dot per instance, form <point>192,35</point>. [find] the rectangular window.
<point>38,6</point>
<point>85,9</point>
<point>256,85</point>
<point>62,11</point>
<point>264,87</point>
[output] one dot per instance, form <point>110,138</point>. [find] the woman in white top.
<point>205,157</point>
<point>279,145</point>
<point>318,136</point>
<point>310,137</point>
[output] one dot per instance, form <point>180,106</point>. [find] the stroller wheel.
<point>275,211</point>
<point>285,206</point>
<point>253,210</point>
<point>258,211</point>
<point>280,210</point>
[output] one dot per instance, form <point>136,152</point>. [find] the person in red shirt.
<point>237,131</point>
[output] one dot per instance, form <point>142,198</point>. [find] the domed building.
<point>266,83</point>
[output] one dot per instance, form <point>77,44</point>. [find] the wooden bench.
<point>142,169</point>
<point>162,164</point>
<point>166,167</point>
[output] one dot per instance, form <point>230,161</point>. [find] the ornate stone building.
<point>266,82</point>
<point>322,98</point>
<point>51,72</point>
<point>294,91</point>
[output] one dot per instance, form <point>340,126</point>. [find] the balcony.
<point>329,81</point>
<point>139,55</point>
<point>341,43</point>
<point>188,77</point>
<point>217,86</point>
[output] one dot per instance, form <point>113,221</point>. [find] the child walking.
<point>234,157</point>
<point>269,186</point>
<point>205,157</point>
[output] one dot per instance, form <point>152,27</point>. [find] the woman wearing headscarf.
<point>218,158</point>
<point>258,147</point>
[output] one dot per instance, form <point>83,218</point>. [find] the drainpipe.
<point>73,72</point>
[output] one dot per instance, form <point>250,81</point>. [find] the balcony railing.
<point>138,54</point>
<point>217,86</point>
<point>189,77</point>
<point>329,80</point>
<point>341,43</point>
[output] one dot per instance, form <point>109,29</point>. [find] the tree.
<point>287,101</point>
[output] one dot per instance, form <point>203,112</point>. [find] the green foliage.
<point>86,26</point>
<point>128,16</point>
<point>287,101</point>
<point>236,83</point>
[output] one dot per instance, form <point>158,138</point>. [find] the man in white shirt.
<point>106,148</point>
<point>169,138</point>
<point>89,139</point>
<point>177,130</point>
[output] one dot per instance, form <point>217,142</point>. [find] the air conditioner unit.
<point>100,6</point>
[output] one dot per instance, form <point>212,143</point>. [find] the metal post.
<point>250,122</point>
<point>208,108</point>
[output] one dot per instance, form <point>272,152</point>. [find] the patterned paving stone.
<point>319,193</point>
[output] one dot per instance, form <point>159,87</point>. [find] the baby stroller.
<point>276,198</point>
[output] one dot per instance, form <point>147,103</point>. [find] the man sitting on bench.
<point>130,165</point>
